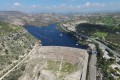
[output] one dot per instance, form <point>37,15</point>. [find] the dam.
<point>56,63</point>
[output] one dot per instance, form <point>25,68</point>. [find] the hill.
<point>15,43</point>
<point>40,19</point>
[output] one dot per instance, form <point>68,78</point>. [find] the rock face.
<point>56,63</point>
<point>15,43</point>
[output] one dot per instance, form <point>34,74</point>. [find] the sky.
<point>60,5</point>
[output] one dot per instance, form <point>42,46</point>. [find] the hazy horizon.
<point>62,6</point>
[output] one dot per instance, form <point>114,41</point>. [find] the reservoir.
<point>51,36</point>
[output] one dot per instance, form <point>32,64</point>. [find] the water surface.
<point>51,36</point>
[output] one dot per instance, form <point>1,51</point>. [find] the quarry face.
<point>56,63</point>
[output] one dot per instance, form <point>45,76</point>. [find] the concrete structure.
<point>56,63</point>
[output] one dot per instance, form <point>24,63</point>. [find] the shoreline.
<point>73,34</point>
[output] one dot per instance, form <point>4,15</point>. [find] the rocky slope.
<point>15,43</point>
<point>20,18</point>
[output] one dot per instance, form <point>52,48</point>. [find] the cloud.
<point>68,7</point>
<point>64,7</point>
<point>88,4</point>
<point>72,0</point>
<point>17,4</point>
<point>34,6</point>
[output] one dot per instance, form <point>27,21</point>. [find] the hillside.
<point>105,27</point>
<point>104,33</point>
<point>15,43</point>
<point>40,19</point>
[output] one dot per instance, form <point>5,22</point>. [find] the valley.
<point>38,46</point>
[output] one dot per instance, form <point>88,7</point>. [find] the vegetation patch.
<point>14,42</point>
<point>101,34</point>
<point>14,75</point>
<point>62,66</point>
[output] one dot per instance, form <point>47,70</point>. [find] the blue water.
<point>51,36</point>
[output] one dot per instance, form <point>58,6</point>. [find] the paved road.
<point>64,28</point>
<point>19,62</point>
<point>92,63</point>
<point>104,46</point>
